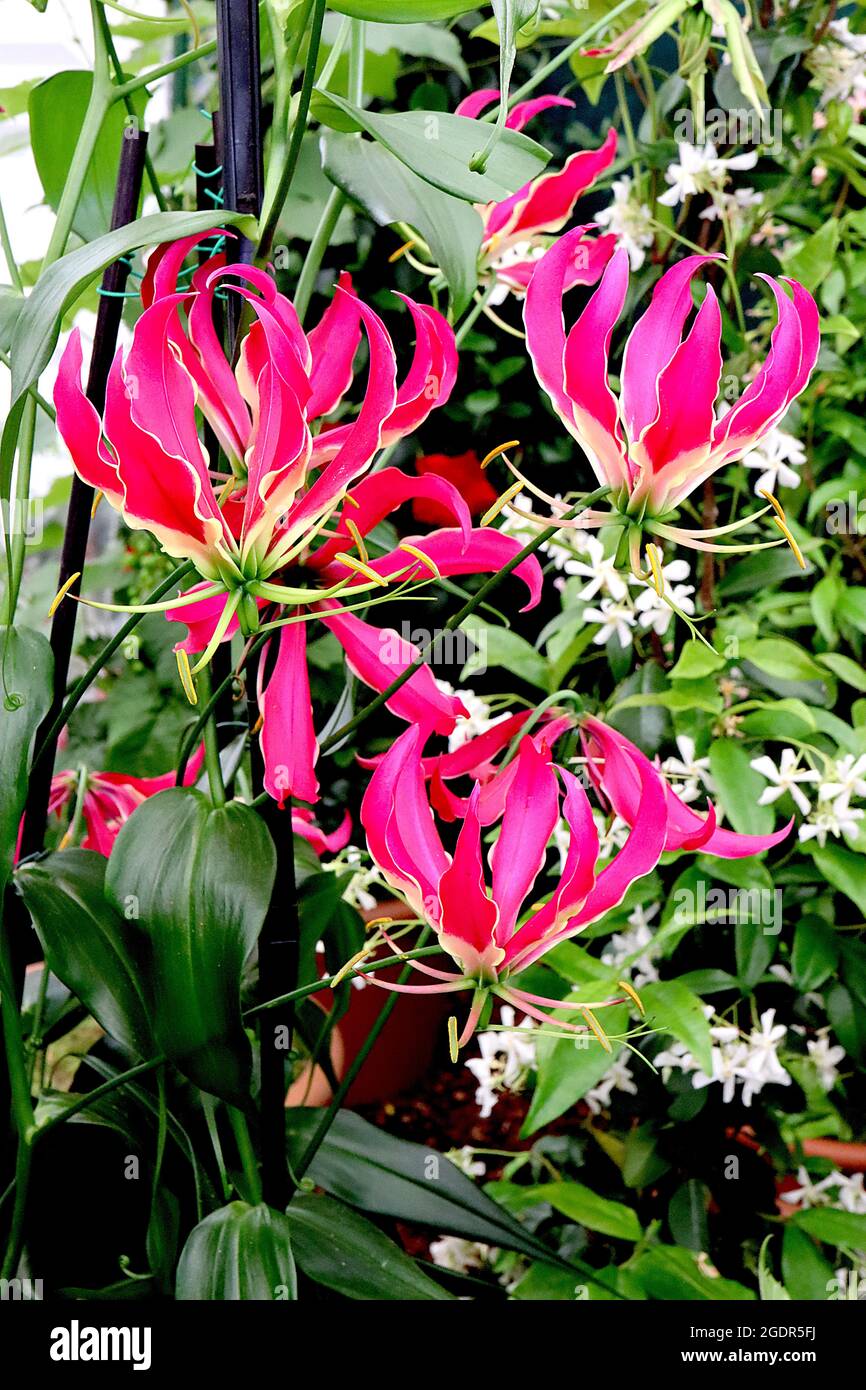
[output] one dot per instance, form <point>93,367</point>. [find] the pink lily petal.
<point>277,459</point>
<point>401,835</point>
<point>80,426</point>
<point>377,656</point>
<point>594,405</point>
<point>333,344</point>
<point>288,739</point>
<point>476,102</point>
<point>304,824</point>
<point>531,812</point>
<point>545,204</point>
<point>586,265</point>
<point>519,116</point>
<point>201,620</point>
<point>468,924</point>
<point>378,495</point>
<point>653,342</point>
<point>431,376</point>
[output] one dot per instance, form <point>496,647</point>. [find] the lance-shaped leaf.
<point>90,946</point>
<point>200,880</point>
<point>440,148</point>
<point>238,1254</point>
<point>26,694</point>
<point>389,192</point>
<point>401,11</point>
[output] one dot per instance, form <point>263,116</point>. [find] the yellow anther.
<point>360,568</point>
<point>98,496</point>
<point>186,679</point>
<point>653,555</point>
<point>500,449</point>
<point>357,538</point>
<point>227,490</point>
<point>774,502</point>
<point>798,554</point>
<point>349,967</point>
<point>378,922</point>
<point>401,251</point>
<point>597,1029</point>
<point>501,502</point>
<point>62,592</point>
<point>452,1038</point>
<point>632,994</point>
<point>353,501</point>
<point>424,559</point>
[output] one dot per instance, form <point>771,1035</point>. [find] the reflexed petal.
<point>545,204</point>
<point>401,835</point>
<point>379,494</point>
<point>80,426</point>
<point>468,922</point>
<point>531,812</point>
<point>333,344</point>
<point>288,738</point>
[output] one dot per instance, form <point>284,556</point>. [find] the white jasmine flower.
<point>616,1078</point>
<point>847,778</point>
<point>464,1159</point>
<point>694,772</point>
<point>478,720</point>
<point>506,1059</point>
<point>762,1065</point>
<point>622,946</point>
<point>777,456</point>
<point>700,169</point>
<point>810,1193</point>
<point>614,619</point>
<point>459,1255</point>
<point>825,1058</point>
<point>785,778</point>
<point>629,220</point>
<point>599,569</point>
<point>834,818</point>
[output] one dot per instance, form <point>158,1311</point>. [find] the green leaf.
<point>200,879</point>
<point>815,258</point>
<point>687,1215</point>
<point>739,788</point>
<point>642,1161</point>
<point>88,944</point>
<point>238,1254</point>
<point>587,1208</point>
<point>340,1248</point>
<point>566,1072</point>
<point>58,288</point>
<point>781,658</point>
<point>845,869</point>
<point>53,142</point>
<point>770,1289</point>
<point>806,1273</point>
<point>833,1227</point>
<point>815,954</point>
<point>439,148</point>
<point>671,1006</point>
<point>401,11</point>
<point>11,301</point>
<point>392,1177</point>
<point>696,661</point>
<point>847,670</point>
<point>499,646</point>
<point>669,1272</point>
<point>389,192</point>
<point>27,692</point>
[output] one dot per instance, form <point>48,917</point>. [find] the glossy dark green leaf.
<point>816,952</point>
<point>341,1249</point>
<point>200,880</point>
<point>567,1072</point>
<point>389,192</point>
<point>687,1215</point>
<point>579,1203</point>
<point>392,1177</point>
<point>805,1271</point>
<point>669,1272</point>
<point>238,1254</point>
<point>57,289</point>
<point>440,148</point>
<point>26,699</point>
<point>832,1226</point>
<point>88,943</point>
<point>53,142</point>
<point>673,1008</point>
<point>739,788</point>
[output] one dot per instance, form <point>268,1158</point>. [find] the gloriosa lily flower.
<point>661,438</point>
<point>277,526</point>
<point>517,230</point>
<point>481,927</point>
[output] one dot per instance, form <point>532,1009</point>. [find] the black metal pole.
<point>240,132</point>
<point>77,533</point>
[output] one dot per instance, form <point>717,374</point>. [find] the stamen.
<point>401,251</point>
<point>774,502</point>
<point>227,490</point>
<point>62,592</point>
<point>349,966</point>
<point>98,496</point>
<point>502,502</point>
<point>632,994</point>
<point>500,449</point>
<point>358,539</point>
<point>452,1038</point>
<point>798,554</point>
<point>424,559</point>
<point>597,1029</point>
<point>186,679</point>
<point>361,568</point>
<point>653,555</point>
<point>353,501</point>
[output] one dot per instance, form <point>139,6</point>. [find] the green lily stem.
<point>22,497</point>
<point>211,746</point>
<point>144,79</point>
<point>45,406</point>
<point>349,1079</point>
<point>304,991</point>
<point>271,214</point>
<point>454,622</point>
<point>247,1155</point>
<point>472,315</point>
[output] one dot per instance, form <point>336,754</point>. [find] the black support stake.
<point>241,154</point>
